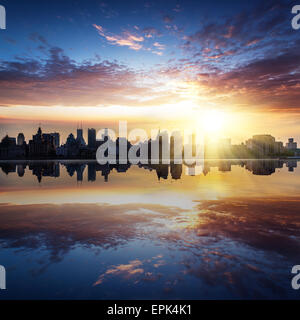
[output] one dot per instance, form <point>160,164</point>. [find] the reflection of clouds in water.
<point>125,270</point>
<point>248,274</point>
<point>271,225</point>
<point>242,245</point>
<point>59,228</point>
<point>134,269</point>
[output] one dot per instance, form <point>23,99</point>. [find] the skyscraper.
<point>55,136</point>
<point>291,145</point>
<point>92,138</point>
<point>20,139</point>
<point>80,138</point>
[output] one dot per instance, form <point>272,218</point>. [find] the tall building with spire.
<point>80,138</point>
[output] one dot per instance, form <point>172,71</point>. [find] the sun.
<point>213,121</point>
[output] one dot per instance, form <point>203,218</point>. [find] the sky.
<point>232,67</point>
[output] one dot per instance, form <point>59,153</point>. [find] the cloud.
<point>36,37</point>
<point>107,11</point>
<point>253,42</point>
<point>159,46</point>
<point>167,19</point>
<point>127,270</point>
<point>222,242</point>
<point>159,53</point>
<point>151,32</point>
<point>59,228</point>
<point>265,224</point>
<point>177,8</point>
<point>266,21</point>
<point>126,39</point>
<point>134,269</point>
<point>227,65</point>
<point>229,33</point>
<point>59,80</point>
<point>271,82</point>
<point>229,61</point>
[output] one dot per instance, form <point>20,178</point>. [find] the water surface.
<point>77,230</point>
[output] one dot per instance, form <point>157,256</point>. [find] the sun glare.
<point>213,121</point>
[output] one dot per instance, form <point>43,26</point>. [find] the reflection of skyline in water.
<point>232,232</point>
<point>163,171</point>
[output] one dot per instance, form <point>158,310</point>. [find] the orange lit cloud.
<point>134,269</point>
<point>126,39</point>
<point>127,270</point>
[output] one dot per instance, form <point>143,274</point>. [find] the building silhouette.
<point>10,150</point>
<point>56,138</point>
<point>80,139</point>
<point>92,138</point>
<point>264,145</point>
<point>42,145</point>
<point>162,149</point>
<point>20,139</point>
<point>291,145</point>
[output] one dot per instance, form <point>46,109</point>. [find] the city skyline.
<point>230,67</point>
<point>64,135</point>
<point>162,146</point>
